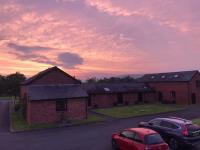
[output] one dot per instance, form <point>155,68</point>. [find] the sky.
<point>99,38</point>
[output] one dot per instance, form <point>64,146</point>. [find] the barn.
<point>175,87</point>
<point>53,95</point>
<point>109,95</point>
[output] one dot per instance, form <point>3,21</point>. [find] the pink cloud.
<point>111,36</point>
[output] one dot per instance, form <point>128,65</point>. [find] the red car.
<point>138,139</point>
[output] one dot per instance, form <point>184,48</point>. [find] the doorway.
<point>119,98</point>
<point>89,101</point>
<point>160,96</point>
<point>140,97</point>
<point>193,98</point>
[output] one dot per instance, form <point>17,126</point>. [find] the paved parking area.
<point>85,137</point>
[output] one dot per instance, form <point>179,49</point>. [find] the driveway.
<point>4,116</point>
<point>85,137</point>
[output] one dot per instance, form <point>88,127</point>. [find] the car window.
<point>153,139</point>
<point>137,138</point>
<point>131,135</point>
<point>155,122</point>
<point>128,134</point>
<point>167,124</point>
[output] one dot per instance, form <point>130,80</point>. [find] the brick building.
<point>108,95</point>
<point>175,87</point>
<point>53,95</point>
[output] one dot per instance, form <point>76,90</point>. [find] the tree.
<point>92,80</point>
<point>2,85</point>
<point>126,79</point>
<point>13,82</point>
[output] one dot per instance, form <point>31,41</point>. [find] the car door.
<point>168,130</point>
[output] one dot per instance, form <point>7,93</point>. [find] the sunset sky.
<point>99,38</point>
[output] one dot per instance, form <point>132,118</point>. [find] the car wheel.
<point>114,145</point>
<point>173,144</point>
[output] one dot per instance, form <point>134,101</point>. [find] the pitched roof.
<point>183,76</point>
<point>42,73</point>
<point>55,92</point>
<point>100,88</point>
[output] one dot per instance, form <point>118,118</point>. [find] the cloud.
<point>34,58</point>
<point>70,60</point>
<point>24,48</point>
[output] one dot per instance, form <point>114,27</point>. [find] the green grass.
<point>19,124</point>
<point>138,110</point>
<point>90,119</point>
<point>196,121</point>
<point>6,98</point>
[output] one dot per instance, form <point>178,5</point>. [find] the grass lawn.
<point>91,118</point>
<point>6,98</point>
<point>196,121</point>
<point>19,124</point>
<point>138,110</point>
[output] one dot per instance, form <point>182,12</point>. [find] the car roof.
<point>142,131</point>
<point>176,120</point>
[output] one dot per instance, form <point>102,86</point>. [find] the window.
<point>168,125</point>
<point>173,94</point>
<point>198,83</point>
<point>155,122</point>
<point>128,134</point>
<point>61,105</point>
<point>132,136</point>
<point>176,76</point>
<point>107,89</point>
<point>153,139</point>
<point>137,138</point>
<point>163,77</point>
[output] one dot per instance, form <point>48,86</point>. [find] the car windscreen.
<point>153,139</point>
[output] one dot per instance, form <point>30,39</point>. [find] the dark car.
<point>175,131</point>
<point>138,139</point>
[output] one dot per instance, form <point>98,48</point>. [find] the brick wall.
<point>194,89</point>
<point>150,97</point>
<point>131,98</point>
<point>107,100</point>
<point>103,100</point>
<point>45,111</point>
<point>181,89</point>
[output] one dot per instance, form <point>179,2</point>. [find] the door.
<point>119,98</point>
<point>89,101</point>
<point>193,98</point>
<point>140,97</point>
<point>160,96</point>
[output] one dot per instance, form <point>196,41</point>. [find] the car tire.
<point>173,144</point>
<point>114,145</point>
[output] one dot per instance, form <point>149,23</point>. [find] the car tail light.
<point>185,131</point>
